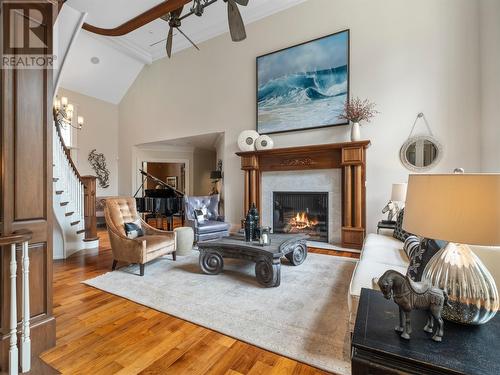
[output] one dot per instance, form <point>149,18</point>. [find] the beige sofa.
<point>382,252</point>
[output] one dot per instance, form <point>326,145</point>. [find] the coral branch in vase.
<point>357,110</point>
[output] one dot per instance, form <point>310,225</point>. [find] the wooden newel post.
<point>89,209</point>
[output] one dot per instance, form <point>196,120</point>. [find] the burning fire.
<point>301,221</point>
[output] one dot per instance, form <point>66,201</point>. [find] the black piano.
<point>164,202</point>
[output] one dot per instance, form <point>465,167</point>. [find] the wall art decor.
<point>172,181</point>
<point>305,86</point>
<point>98,163</point>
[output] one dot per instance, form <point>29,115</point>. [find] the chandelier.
<point>63,114</point>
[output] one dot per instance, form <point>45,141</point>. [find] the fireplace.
<point>301,212</point>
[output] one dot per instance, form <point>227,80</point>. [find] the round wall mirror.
<point>421,153</point>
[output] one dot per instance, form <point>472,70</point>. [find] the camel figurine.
<point>410,295</point>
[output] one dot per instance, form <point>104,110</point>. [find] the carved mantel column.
<point>250,165</point>
<point>348,156</point>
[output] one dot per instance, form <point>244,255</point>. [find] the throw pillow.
<point>420,257</point>
<point>134,229</point>
<point>399,233</point>
<point>199,216</point>
<point>411,245</point>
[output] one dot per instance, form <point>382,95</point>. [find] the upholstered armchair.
<point>153,244</point>
<point>213,225</point>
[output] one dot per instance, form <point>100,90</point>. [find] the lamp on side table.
<point>463,209</point>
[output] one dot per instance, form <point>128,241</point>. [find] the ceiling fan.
<point>174,19</point>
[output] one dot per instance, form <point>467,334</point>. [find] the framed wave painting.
<point>304,86</point>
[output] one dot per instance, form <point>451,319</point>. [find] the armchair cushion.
<point>200,216</point>
<point>134,229</point>
<point>208,204</point>
<point>213,226</point>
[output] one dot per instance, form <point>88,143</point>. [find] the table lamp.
<point>398,197</point>
<point>463,209</point>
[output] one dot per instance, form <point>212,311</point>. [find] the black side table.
<point>378,349</point>
<point>385,224</point>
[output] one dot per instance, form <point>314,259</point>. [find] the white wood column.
<point>13,352</point>
<point>25,336</point>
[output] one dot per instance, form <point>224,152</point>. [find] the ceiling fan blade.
<point>242,2</point>
<point>236,25</point>
<point>169,42</point>
<point>190,41</point>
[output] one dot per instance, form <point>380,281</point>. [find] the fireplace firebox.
<point>301,212</point>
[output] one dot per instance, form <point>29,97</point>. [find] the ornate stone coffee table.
<point>267,258</point>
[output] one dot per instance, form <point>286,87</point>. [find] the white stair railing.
<point>69,181</point>
<point>13,241</point>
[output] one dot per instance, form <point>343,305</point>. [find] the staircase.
<point>68,203</point>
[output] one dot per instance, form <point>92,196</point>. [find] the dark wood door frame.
<point>348,156</point>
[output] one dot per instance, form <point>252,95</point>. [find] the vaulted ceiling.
<point>121,58</point>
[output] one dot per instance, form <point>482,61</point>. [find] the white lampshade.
<point>399,192</point>
<point>460,208</point>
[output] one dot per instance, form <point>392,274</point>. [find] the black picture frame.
<point>348,31</point>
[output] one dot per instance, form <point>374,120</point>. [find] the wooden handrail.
<point>17,237</point>
<point>140,20</point>
<point>67,151</point>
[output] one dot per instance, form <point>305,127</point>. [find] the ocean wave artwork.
<point>304,86</point>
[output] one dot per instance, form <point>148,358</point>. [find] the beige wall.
<point>204,163</point>
<point>100,132</point>
<point>489,22</point>
<point>407,56</point>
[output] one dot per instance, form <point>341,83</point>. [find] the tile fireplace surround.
<point>324,180</point>
<point>348,157</point>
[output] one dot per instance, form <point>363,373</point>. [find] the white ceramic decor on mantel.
<point>264,142</point>
<point>250,140</point>
<point>246,140</point>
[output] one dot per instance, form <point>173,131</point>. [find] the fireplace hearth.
<point>301,212</point>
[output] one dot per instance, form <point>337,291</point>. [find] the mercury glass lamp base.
<point>472,292</point>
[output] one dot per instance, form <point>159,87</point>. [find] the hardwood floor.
<point>99,333</point>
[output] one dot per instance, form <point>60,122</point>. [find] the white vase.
<point>355,132</point>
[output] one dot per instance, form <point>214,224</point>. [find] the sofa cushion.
<point>411,246</point>
<point>399,232</point>
<point>363,276</point>
<point>209,226</point>
<point>384,249</point>
<point>427,249</point>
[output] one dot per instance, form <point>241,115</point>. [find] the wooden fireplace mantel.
<point>348,156</point>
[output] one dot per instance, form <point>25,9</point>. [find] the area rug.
<point>305,318</point>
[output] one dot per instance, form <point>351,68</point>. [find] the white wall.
<point>99,132</point>
<point>489,23</point>
<point>407,56</point>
